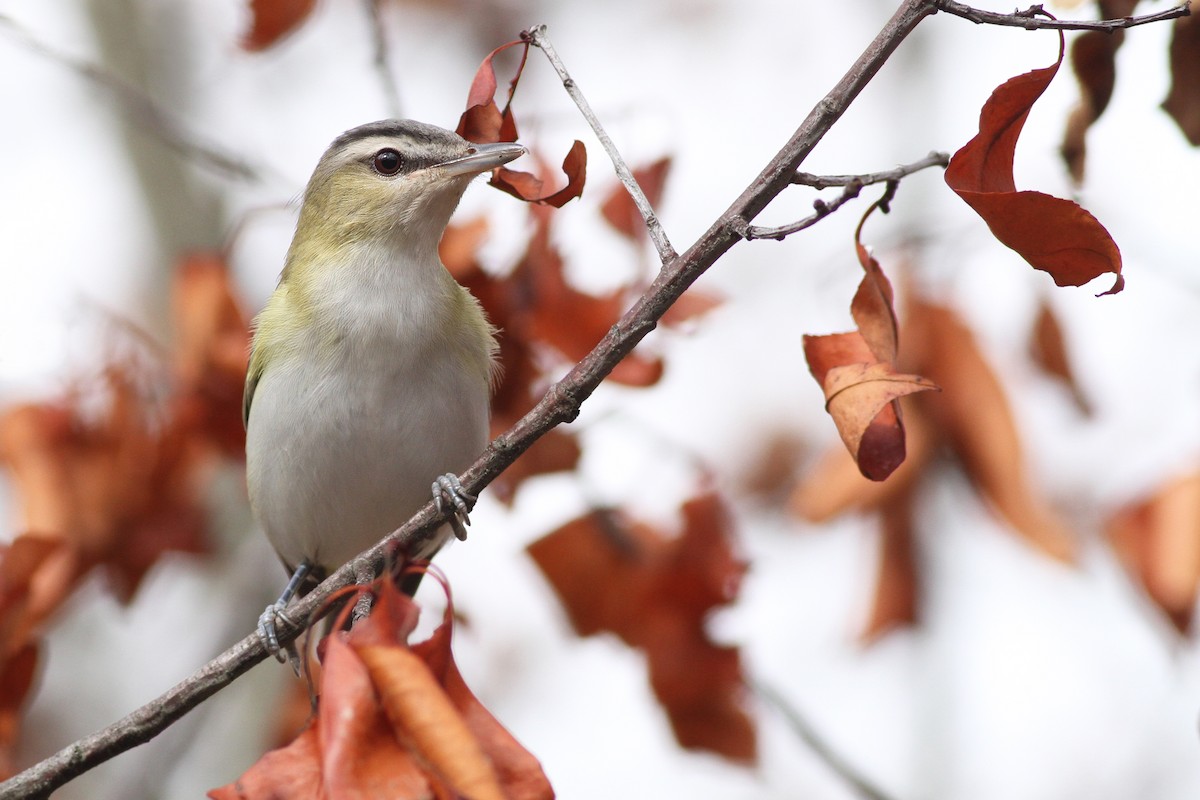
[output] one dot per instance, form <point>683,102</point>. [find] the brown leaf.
<point>856,372</point>
<point>16,679</point>
<point>394,722</point>
<point>531,188</point>
<point>619,209</point>
<point>1183,98</point>
<point>272,20</point>
<point>1158,539</point>
<point>896,583</point>
<point>1049,351</point>
<point>973,414</point>
<point>1052,234</point>
<point>483,122</point>
<point>669,587</point>
<point>835,485</point>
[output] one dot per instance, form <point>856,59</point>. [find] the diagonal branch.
<point>1033,18</point>
<point>853,186</point>
<point>537,37</point>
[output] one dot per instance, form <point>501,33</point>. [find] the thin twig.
<point>144,111</point>
<point>538,38</point>
<point>379,42</point>
<point>1032,19</point>
<point>934,159</point>
<point>808,734</point>
<point>853,186</point>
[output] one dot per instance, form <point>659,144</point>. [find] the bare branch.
<point>853,186</point>
<point>808,734</point>
<point>142,109</point>
<point>538,38</point>
<point>1035,17</point>
<point>379,42</point>
<point>934,159</point>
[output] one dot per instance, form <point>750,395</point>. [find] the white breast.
<point>347,434</point>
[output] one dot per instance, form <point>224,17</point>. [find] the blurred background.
<point>1000,669</point>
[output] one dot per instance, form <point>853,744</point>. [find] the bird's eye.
<point>387,162</point>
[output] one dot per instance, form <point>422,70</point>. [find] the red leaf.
<point>530,188</point>
<point>1052,234</point>
<point>483,122</point>
<point>274,19</point>
<point>668,588</point>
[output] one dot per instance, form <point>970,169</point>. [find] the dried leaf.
<point>896,583</point>
<point>16,679</point>
<point>531,188</point>
<point>395,722</point>
<point>669,586</point>
<point>1048,349</point>
<point>974,416</point>
<point>1158,539</point>
<point>1052,234</point>
<point>483,122</point>
<point>1183,98</point>
<point>272,20</point>
<point>856,372</point>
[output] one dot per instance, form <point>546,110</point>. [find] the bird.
<point>370,367</point>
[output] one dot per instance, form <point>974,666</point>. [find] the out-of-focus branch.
<point>382,61</point>
<point>808,734</point>
<point>1035,17</point>
<point>140,109</point>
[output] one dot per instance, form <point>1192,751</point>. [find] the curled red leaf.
<point>1054,235</point>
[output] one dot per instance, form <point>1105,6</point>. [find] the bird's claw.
<point>448,490</point>
<point>267,622</point>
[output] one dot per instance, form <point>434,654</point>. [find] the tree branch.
<point>853,187</point>
<point>1032,18</point>
<point>808,734</point>
<point>382,58</point>
<point>538,38</point>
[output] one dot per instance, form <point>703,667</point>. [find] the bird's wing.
<point>253,372</point>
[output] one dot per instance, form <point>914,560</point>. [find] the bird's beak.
<point>483,157</point>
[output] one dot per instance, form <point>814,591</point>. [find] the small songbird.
<point>370,370</point>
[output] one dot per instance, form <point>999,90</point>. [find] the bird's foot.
<point>448,491</point>
<point>267,622</point>
<point>275,613</point>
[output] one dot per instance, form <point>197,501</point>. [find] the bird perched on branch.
<point>370,369</point>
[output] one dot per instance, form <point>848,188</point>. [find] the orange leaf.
<point>1183,98</point>
<point>272,20</point>
<point>896,582</point>
<point>1158,539</point>
<point>974,415</point>
<point>422,714</point>
<point>1052,234</point>
<point>856,372</point>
